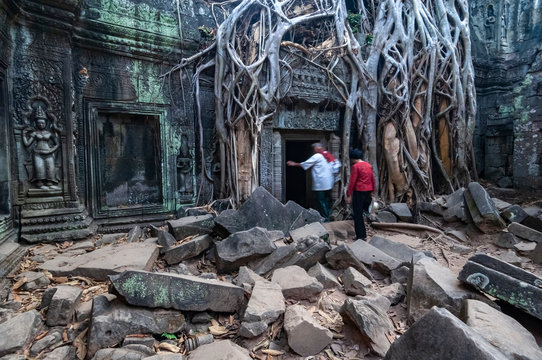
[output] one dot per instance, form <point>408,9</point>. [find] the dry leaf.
<point>16,297</point>
<point>214,322</point>
<point>85,280</point>
<point>169,347</point>
<point>60,279</point>
<point>65,336</point>
<point>272,352</point>
<point>81,345</point>
<point>218,330</point>
<point>231,320</point>
<point>41,335</point>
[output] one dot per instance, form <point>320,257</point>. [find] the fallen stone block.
<point>264,210</point>
<point>101,263</point>
<point>511,257</point>
<point>62,301</point>
<point>180,292</point>
<point>147,341</point>
<point>525,247</point>
<point>134,235</point>
<point>312,229</point>
<point>340,230</point>
<point>242,247</point>
<point>501,330</point>
<point>274,260</point>
<point>440,335</point>
<point>220,350</point>
<point>355,283</point>
<point>431,208</point>
<point>265,304</point>
<point>514,214</point>
<point>247,276</point>
<point>252,329</point>
<point>22,329</point>
<point>536,256</point>
<point>166,357</point>
<point>119,354</point>
<point>505,239</point>
<point>64,352</point>
<point>191,225</point>
<point>34,280</point>
<point>402,211</point>
<point>341,257</point>
<point>386,217</point>
<point>305,336</point>
<point>400,275</point>
<point>500,204</point>
<point>455,213</point>
<point>188,250</point>
<point>51,340</point>
<point>456,198</point>
<point>430,284</point>
<point>525,232</point>
<point>113,320</point>
<point>296,283</point>
<point>165,240</point>
<point>376,299</point>
<point>395,293</point>
<point>504,281</point>
<point>401,252</point>
<point>372,322</point>
<point>373,257</point>
<point>324,276</point>
<point>482,209</point>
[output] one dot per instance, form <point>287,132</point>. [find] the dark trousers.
<point>323,203</point>
<point>360,203</point>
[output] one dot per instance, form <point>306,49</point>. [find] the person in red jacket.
<point>361,187</point>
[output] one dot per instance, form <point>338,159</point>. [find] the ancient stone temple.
<point>507,37</point>
<point>93,138</point>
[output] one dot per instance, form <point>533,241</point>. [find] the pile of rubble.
<point>270,281</point>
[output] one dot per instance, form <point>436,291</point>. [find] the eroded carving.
<point>41,136</point>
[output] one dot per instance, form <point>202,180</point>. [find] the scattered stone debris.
<point>270,281</point>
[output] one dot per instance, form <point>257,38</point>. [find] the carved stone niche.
<point>128,173</point>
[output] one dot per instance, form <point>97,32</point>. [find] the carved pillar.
<point>43,129</point>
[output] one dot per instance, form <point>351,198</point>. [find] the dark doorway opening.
<point>298,181</point>
<point>4,154</point>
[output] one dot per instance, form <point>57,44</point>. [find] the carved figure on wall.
<point>43,140</point>
<point>184,167</point>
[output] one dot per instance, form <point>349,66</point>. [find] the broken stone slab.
<point>113,320</point>
<point>511,257</point>
<point>455,198</point>
<point>275,260</point>
<point>533,222</point>
<point>147,341</point>
<point>372,322</point>
<point>500,204</point>
<point>51,340</point>
<point>134,235</point>
<point>108,239</point>
<point>61,303</point>
<point>455,213</point>
<point>430,284</point>
<point>264,210</point>
<point>374,257</point>
<point>514,214</point>
<point>525,232</point>
<point>166,357</point>
<point>386,217</point>
<point>341,257</point>
<point>461,249</point>
<point>220,350</point>
<point>252,329</point>
<point>396,250</point>
<point>395,293</point>
<point>312,229</point>
<point>482,209</point>
<point>188,250</point>
<point>247,276</point>
<point>64,352</point>
<point>431,208</point>
<point>22,329</point>
<point>34,280</point>
<point>504,281</point>
<point>440,335</point>
<point>296,283</point>
<point>458,234</point>
<point>11,254</point>
<point>101,263</point>
<point>536,256</point>
<point>305,336</point>
<point>242,247</point>
<point>501,330</point>
<point>165,241</point>
<point>191,225</point>
<point>180,292</point>
<point>525,247</point>
<point>376,299</point>
<point>340,230</point>
<point>119,354</point>
<point>324,276</point>
<point>400,275</point>
<point>402,211</point>
<point>265,304</point>
<point>355,283</point>
<point>506,240</point>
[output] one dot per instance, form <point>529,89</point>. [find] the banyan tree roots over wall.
<point>402,69</point>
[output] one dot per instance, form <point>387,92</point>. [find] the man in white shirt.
<point>322,178</point>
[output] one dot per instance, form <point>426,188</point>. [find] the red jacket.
<point>361,178</point>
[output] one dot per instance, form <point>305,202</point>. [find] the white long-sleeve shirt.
<point>322,174</point>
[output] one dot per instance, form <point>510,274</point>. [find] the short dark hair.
<point>356,154</point>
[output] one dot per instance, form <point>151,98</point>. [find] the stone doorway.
<point>298,182</point>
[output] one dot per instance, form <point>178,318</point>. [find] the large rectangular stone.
<point>504,281</point>
<point>191,225</point>
<point>374,257</point>
<point>525,232</point>
<point>180,292</point>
